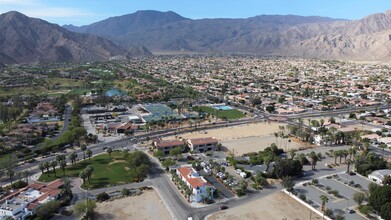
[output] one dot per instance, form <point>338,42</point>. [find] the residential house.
<point>203,144</point>
<point>22,203</point>
<point>200,187</point>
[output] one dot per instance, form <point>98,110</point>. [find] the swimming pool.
<point>114,92</point>
<point>222,107</point>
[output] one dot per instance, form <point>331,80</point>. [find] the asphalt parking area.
<point>218,185</point>
<point>339,183</point>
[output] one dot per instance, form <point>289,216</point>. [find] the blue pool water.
<point>222,107</point>
<point>114,92</point>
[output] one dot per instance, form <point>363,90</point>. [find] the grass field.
<point>228,114</point>
<point>107,171</point>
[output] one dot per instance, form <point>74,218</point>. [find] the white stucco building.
<point>197,183</point>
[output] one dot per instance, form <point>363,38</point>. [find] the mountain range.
<point>30,40</point>
<point>289,35</point>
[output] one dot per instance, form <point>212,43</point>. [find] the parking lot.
<point>345,185</point>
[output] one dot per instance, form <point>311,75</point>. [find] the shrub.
<point>19,184</point>
<point>302,196</point>
<point>102,197</point>
<point>240,192</point>
<point>329,213</point>
<point>365,209</point>
<point>315,181</point>
<point>334,192</point>
<point>125,192</point>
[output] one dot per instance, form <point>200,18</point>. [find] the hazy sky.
<point>81,12</point>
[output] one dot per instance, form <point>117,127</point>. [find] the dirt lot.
<point>255,144</point>
<point>246,138</point>
<point>234,132</point>
<point>146,206</point>
<point>275,206</point>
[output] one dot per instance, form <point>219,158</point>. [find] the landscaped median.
<point>108,170</point>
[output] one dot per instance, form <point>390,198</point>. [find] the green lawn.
<point>107,171</point>
<point>228,114</point>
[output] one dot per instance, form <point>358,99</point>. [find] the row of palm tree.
<point>53,164</point>
<point>86,151</point>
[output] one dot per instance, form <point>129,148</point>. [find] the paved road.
<point>67,121</point>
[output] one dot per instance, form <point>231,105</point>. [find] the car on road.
<point>350,211</point>
<point>223,207</point>
<point>104,148</point>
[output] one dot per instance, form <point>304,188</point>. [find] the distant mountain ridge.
<point>286,35</point>
<point>30,40</point>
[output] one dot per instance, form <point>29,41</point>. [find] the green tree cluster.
<point>380,200</point>
<point>139,164</point>
<point>366,164</point>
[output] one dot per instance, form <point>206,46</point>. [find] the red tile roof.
<point>55,184</point>
<point>36,186</point>
<point>202,141</point>
<point>32,206</point>
<point>193,181</point>
<point>169,143</point>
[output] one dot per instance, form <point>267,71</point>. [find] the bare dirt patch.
<point>116,161</point>
<point>275,206</point>
<point>144,207</point>
<point>235,132</point>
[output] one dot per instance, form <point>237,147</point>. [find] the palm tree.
<point>60,158</point>
<point>324,200</point>
<point>47,165</point>
<point>89,154</point>
<point>352,152</point>
<point>84,148</point>
<point>109,151</point>
<point>345,154</point>
<point>42,167</point>
<point>10,174</point>
<point>335,155</point>
<point>72,157</point>
<point>340,155</point>
<point>53,164</point>
<point>314,158</point>
<point>321,122</point>
<point>89,170</point>
<point>63,164</point>
<point>83,175</point>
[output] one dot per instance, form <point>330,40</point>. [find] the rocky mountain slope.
<point>30,40</point>
<point>366,39</point>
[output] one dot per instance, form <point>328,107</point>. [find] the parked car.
<point>223,207</point>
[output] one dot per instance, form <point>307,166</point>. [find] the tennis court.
<point>158,112</point>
